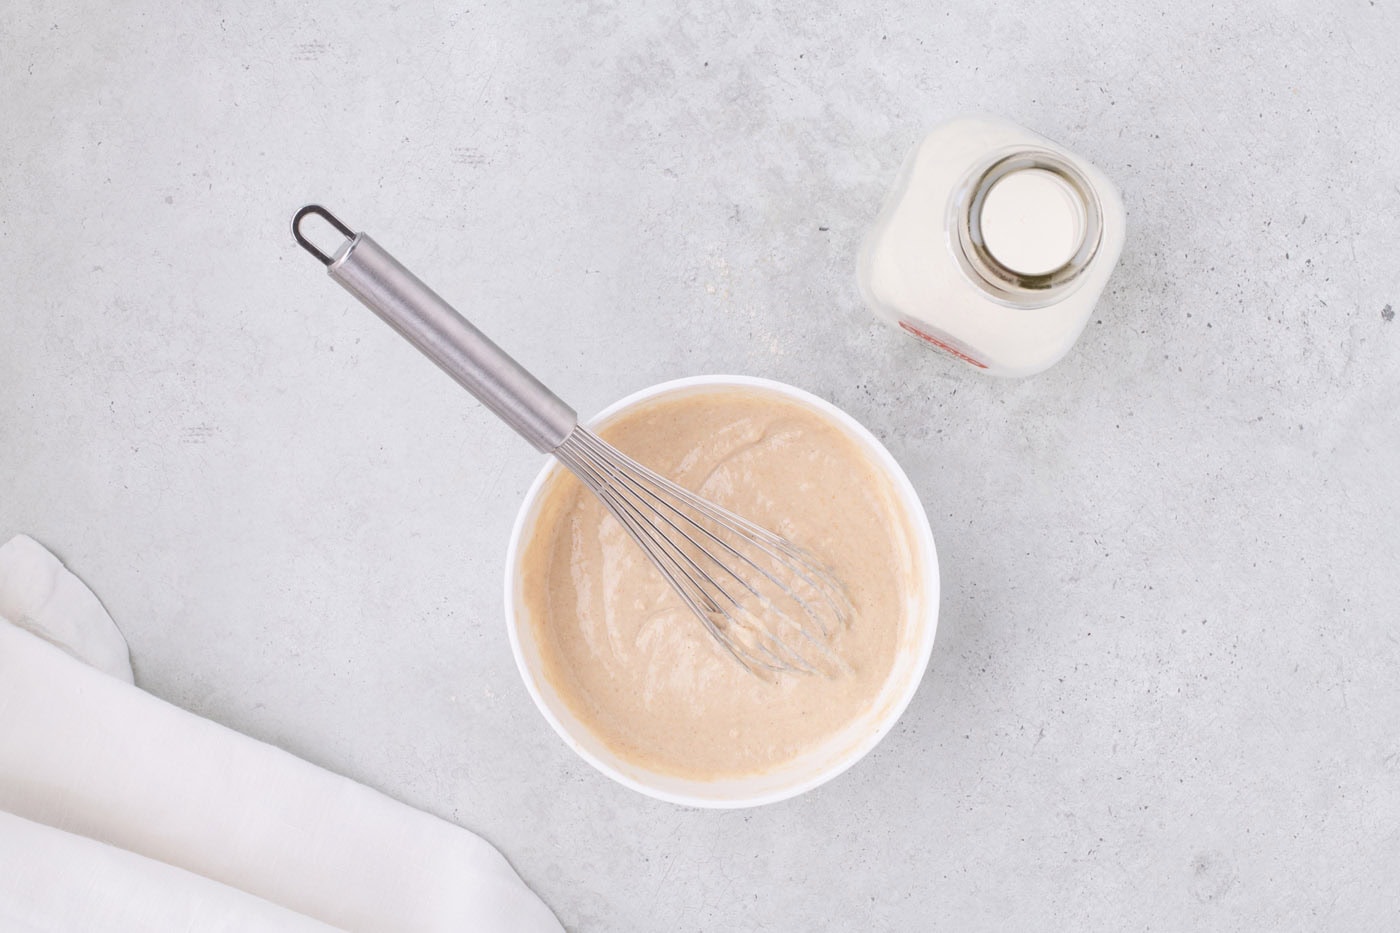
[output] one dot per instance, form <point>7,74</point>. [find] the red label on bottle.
<point>945,343</point>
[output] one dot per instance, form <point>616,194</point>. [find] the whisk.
<point>771,605</point>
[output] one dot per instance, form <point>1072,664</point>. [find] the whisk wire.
<point>656,551</point>
<point>673,527</point>
<point>740,619</point>
<point>800,563</point>
<point>658,504</point>
<point>672,562</point>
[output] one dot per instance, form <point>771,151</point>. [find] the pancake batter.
<point>628,657</point>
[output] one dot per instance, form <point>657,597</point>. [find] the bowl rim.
<point>920,530</point>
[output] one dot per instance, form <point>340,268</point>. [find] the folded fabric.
<point>88,754</point>
<point>57,882</point>
<point>38,594</point>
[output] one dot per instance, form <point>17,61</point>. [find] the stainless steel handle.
<point>400,298</point>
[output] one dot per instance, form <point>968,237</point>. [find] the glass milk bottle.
<point>993,246</point>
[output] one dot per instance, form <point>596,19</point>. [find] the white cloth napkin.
<point>86,758</point>
<point>38,594</point>
<point>52,881</point>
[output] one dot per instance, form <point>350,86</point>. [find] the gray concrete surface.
<point>1164,695</point>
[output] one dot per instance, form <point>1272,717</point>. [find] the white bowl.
<point>817,765</point>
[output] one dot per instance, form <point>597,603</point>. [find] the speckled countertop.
<point>1167,679</point>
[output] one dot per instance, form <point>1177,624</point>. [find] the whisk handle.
<point>400,298</point>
